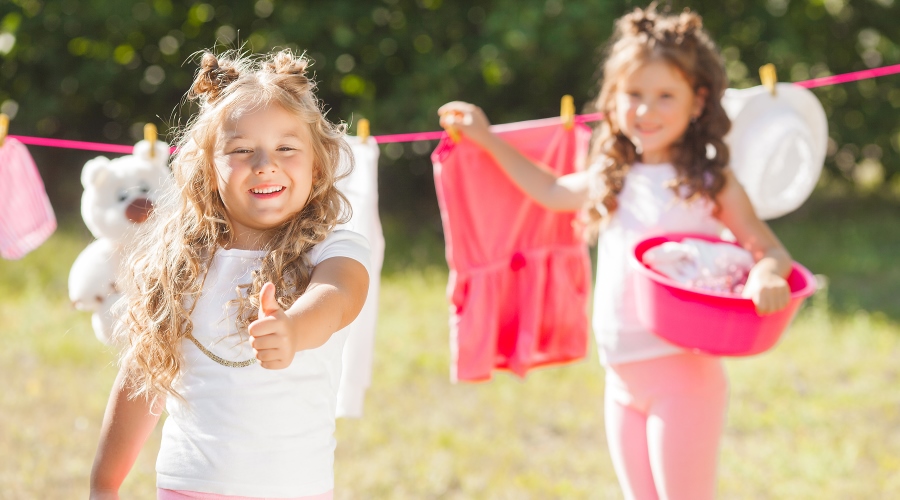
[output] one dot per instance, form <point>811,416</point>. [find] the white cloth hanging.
<point>361,188</point>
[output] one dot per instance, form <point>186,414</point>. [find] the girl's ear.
<point>699,102</point>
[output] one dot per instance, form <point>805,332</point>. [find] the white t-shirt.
<point>250,431</point>
<point>646,207</point>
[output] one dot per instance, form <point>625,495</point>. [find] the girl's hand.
<point>769,291</point>
<point>468,119</point>
<point>766,285</point>
<point>272,335</point>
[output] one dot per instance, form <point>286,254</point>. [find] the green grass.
<point>853,241</point>
<point>817,417</point>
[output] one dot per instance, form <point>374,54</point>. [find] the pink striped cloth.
<point>26,217</point>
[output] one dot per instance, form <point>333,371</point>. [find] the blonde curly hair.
<point>167,265</point>
<point>679,40</point>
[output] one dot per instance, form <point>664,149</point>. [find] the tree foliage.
<point>97,70</point>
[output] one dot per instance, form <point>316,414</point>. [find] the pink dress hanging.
<point>519,273</point>
<point>26,217</point>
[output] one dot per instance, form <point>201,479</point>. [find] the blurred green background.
<point>817,417</point>
<point>97,70</point>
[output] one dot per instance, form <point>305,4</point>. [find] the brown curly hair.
<point>171,256</point>
<point>679,40</point>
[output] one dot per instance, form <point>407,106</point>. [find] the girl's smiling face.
<point>654,105</point>
<point>264,171</point>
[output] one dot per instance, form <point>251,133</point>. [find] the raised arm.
<point>126,426</point>
<point>564,194</point>
<point>336,293</point>
<point>766,284</point>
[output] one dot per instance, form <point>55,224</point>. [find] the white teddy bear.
<point>118,195</point>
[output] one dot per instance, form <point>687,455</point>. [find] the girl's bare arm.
<point>766,284</point>
<point>566,193</point>
<point>334,297</point>
<point>126,426</point>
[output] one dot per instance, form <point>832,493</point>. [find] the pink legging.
<point>664,418</point>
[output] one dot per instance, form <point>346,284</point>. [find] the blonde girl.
<point>237,295</point>
<point>659,164</point>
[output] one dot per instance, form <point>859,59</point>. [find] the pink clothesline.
<point>430,136</point>
<point>66,144</point>
<point>850,77</point>
<point>505,127</point>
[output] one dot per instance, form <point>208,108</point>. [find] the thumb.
<point>268,306</point>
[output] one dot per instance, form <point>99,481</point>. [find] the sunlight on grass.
<point>816,417</point>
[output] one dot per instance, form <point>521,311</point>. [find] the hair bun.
<point>213,77</point>
<point>689,24</point>
<point>285,63</point>
<point>639,21</point>
<point>649,23</point>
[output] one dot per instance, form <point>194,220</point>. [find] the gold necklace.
<point>218,359</point>
<point>209,354</point>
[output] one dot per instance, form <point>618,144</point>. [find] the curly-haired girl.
<point>659,164</point>
<point>237,294</point>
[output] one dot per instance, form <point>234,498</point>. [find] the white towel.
<point>717,267</point>
<point>361,188</point>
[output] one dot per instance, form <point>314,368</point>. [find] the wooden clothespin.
<point>768,77</point>
<point>567,111</point>
<point>150,136</point>
<point>454,134</point>
<point>4,127</point>
<point>362,130</point>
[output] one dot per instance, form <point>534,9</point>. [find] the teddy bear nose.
<point>139,210</point>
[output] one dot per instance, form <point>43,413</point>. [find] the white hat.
<point>777,144</point>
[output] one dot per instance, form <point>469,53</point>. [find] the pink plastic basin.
<point>709,322</point>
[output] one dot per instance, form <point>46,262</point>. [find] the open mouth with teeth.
<point>267,191</point>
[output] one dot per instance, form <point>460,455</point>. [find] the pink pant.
<point>664,419</point>
<point>164,494</point>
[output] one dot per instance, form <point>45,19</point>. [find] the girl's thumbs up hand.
<point>268,306</point>
<point>272,334</point>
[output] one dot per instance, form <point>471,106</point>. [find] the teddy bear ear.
<point>94,171</point>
